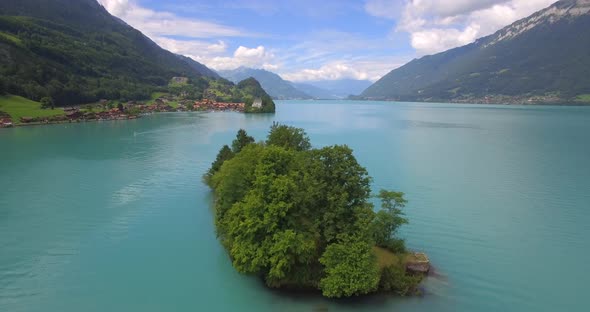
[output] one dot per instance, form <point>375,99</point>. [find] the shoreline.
<point>130,117</point>
<point>481,102</point>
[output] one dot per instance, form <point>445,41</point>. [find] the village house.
<point>73,114</point>
<point>207,104</point>
<point>257,103</point>
<point>5,122</point>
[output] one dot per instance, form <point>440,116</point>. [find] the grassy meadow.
<point>18,107</point>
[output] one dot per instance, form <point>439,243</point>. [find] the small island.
<point>301,218</point>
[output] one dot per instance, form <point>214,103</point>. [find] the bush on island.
<point>302,218</point>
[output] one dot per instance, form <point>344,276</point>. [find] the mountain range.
<point>543,58</point>
<point>272,83</point>
<point>282,89</point>
<point>341,88</point>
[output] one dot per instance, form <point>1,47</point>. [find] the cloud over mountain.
<point>438,25</point>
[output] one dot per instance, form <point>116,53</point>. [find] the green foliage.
<point>224,154</point>
<point>344,187</point>
<point>395,245</point>
<point>2,86</point>
<point>288,137</point>
<point>350,269</point>
<point>47,102</point>
<point>388,220</point>
<point>242,139</point>
<point>394,278</point>
<point>18,107</point>
<point>87,55</point>
<point>392,201</point>
<point>74,67</point>
<point>297,216</point>
<point>252,88</point>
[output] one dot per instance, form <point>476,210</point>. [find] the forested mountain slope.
<point>76,52</point>
<point>543,58</point>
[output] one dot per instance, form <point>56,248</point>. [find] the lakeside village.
<point>129,110</point>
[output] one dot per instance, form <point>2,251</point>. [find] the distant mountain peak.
<point>556,12</point>
<point>272,83</point>
<point>542,58</point>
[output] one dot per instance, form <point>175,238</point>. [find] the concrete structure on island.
<point>418,263</point>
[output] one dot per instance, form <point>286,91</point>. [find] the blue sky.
<point>307,40</point>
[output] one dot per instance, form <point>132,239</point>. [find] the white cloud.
<point>438,25</point>
<point>445,8</point>
<point>159,24</point>
<point>436,40</point>
<point>116,7</point>
<point>165,27</point>
<point>332,71</point>
<point>192,47</point>
<point>362,69</point>
<point>257,57</point>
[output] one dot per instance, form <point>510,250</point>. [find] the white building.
<point>257,103</point>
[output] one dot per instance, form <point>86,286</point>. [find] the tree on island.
<point>242,139</point>
<point>388,220</point>
<point>288,137</point>
<point>301,217</point>
<point>349,268</point>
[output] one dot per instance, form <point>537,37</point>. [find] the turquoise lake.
<point>113,216</point>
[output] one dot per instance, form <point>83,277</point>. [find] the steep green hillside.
<point>202,69</point>
<point>252,91</point>
<point>543,58</point>
<point>76,52</point>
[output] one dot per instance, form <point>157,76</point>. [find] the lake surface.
<point>113,216</point>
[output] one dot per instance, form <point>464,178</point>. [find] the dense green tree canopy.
<point>388,220</point>
<point>47,102</point>
<point>301,217</point>
<point>2,86</point>
<point>288,137</point>
<point>242,139</point>
<point>349,268</point>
